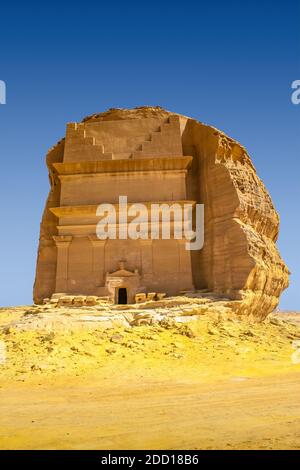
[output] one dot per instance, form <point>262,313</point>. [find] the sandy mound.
<point>49,341</point>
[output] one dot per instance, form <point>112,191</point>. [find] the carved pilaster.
<point>62,243</point>
<point>185,264</point>
<point>98,259</point>
<point>146,257</point>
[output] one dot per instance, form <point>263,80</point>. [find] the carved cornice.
<point>90,210</point>
<point>123,166</point>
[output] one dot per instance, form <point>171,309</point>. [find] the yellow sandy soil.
<point>207,384</point>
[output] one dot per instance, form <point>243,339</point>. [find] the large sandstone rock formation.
<point>239,259</point>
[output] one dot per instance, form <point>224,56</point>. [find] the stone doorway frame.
<point>130,280</point>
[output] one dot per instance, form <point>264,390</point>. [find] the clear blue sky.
<point>226,63</point>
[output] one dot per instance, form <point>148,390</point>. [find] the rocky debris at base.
<point>78,340</point>
<point>66,300</point>
<point>93,312</point>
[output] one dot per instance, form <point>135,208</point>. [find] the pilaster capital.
<point>95,241</point>
<point>146,242</point>
<point>62,240</point>
<point>182,240</point>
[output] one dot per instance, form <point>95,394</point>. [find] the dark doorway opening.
<point>122,296</point>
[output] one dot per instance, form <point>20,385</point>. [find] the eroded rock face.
<point>239,259</point>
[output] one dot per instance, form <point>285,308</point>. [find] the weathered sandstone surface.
<point>239,260</point>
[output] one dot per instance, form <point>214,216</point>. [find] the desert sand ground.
<point>208,384</point>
